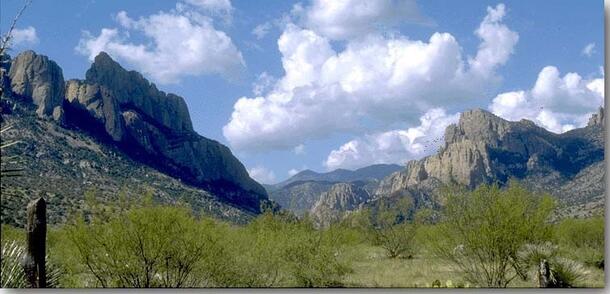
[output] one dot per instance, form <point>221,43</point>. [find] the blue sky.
<point>331,104</point>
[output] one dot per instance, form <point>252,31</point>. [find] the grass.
<point>371,269</point>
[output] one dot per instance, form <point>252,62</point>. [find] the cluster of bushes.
<point>148,245</point>
<point>492,236</point>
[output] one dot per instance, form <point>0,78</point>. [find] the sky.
<point>321,85</point>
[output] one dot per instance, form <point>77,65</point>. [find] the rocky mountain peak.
<point>484,148</point>
<point>132,90</point>
<point>38,78</point>
<point>597,118</point>
<point>477,124</point>
<point>147,124</point>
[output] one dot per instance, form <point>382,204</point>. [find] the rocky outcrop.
<point>341,198</point>
<point>299,197</point>
<point>38,78</point>
<point>132,90</point>
<point>150,125</point>
<point>483,148</point>
<point>97,101</point>
<point>597,118</point>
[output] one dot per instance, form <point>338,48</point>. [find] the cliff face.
<point>341,198</point>
<point>123,108</point>
<point>483,148</point>
<point>36,77</point>
<point>132,90</point>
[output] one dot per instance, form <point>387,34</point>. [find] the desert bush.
<point>484,229</point>
<point>582,239</point>
<point>151,246</point>
<point>276,251</point>
<point>390,228</point>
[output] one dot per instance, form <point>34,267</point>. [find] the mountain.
<point>484,149</point>
<point>300,192</point>
<point>372,172</point>
<point>113,129</point>
<point>339,199</point>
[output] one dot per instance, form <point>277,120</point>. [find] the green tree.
<point>484,229</point>
<point>391,228</point>
<point>151,246</point>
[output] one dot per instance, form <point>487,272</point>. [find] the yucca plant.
<point>560,272</point>
<point>13,275</point>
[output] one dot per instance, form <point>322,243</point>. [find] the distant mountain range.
<point>114,130</point>
<point>481,148</point>
<point>300,192</point>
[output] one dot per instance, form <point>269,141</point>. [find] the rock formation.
<point>483,148</point>
<point>98,103</point>
<point>39,79</point>
<point>148,124</point>
<point>132,90</point>
<point>341,198</point>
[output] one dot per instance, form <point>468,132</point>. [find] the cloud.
<point>395,146</point>
<point>379,79</point>
<point>261,30</point>
<point>588,50</point>
<point>293,172</point>
<point>217,8</point>
<point>348,19</point>
<point>263,83</point>
<point>26,36</point>
<point>262,175</point>
<point>177,43</point>
<point>299,149</point>
<point>498,42</point>
<point>556,103</point>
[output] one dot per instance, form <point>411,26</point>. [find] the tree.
<point>391,228</point>
<point>5,41</point>
<point>484,229</point>
<point>151,246</point>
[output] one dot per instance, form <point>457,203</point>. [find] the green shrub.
<point>484,229</point>
<point>582,239</point>
<point>148,247</point>
<point>390,228</point>
<point>274,251</point>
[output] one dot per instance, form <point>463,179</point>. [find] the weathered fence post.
<point>544,274</point>
<point>34,263</point>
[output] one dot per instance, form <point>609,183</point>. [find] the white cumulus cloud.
<point>25,36</point>
<point>262,175</point>
<point>383,79</point>
<point>395,146</point>
<point>557,103</point>
<point>178,43</point>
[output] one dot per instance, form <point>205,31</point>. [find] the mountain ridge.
<point>121,108</point>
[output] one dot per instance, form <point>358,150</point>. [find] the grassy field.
<point>371,268</point>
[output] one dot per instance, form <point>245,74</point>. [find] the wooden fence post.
<point>34,263</point>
